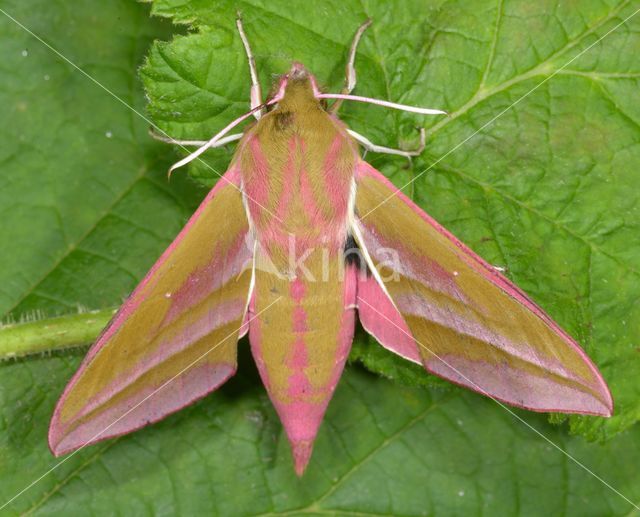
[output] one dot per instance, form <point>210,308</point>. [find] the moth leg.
<point>350,78</point>
<point>194,143</point>
<point>256,92</point>
<point>370,146</point>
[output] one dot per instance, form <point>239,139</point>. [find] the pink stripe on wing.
<point>382,320</point>
<point>147,406</point>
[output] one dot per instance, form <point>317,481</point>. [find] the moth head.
<point>297,89</point>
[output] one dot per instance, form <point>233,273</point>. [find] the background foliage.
<point>549,191</point>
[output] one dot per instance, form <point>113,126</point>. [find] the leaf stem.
<point>46,335</point>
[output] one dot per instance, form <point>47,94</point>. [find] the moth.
<point>268,254</point>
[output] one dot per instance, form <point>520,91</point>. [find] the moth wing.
<point>380,318</point>
<point>469,324</point>
<point>174,340</point>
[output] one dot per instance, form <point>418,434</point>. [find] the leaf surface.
<point>549,190</point>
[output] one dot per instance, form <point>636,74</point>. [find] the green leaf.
<point>549,191</point>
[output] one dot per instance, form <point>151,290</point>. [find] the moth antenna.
<point>192,143</point>
<point>380,102</point>
<point>256,92</point>
<point>217,138</point>
<point>168,140</point>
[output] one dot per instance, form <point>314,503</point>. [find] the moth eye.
<point>324,104</point>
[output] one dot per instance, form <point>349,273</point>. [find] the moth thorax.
<point>298,95</point>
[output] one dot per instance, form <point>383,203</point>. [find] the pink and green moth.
<point>264,255</point>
